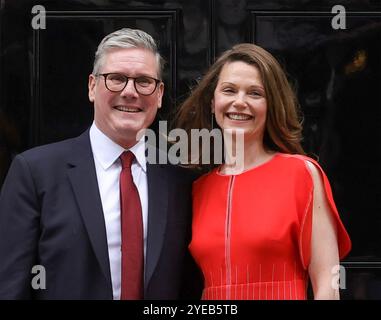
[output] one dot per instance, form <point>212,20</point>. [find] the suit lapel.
<point>82,176</point>
<point>157,216</point>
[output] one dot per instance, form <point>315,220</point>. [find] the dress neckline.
<point>249,169</point>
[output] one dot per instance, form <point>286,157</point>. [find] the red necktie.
<point>132,233</point>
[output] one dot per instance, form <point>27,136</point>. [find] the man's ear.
<point>91,86</point>
<point>160,94</point>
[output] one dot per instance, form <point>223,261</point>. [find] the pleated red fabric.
<point>251,232</point>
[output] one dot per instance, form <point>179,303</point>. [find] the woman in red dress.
<point>265,231</point>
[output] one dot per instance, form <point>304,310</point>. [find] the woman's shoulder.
<point>301,167</point>
<point>296,158</point>
<point>206,178</point>
<point>298,161</point>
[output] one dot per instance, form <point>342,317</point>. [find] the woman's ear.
<point>212,106</point>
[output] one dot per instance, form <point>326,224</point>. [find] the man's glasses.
<point>116,82</point>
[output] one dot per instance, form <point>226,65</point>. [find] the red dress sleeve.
<point>344,242</point>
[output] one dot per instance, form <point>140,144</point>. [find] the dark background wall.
<point>337,75</point>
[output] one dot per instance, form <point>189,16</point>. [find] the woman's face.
<point>239,100</point>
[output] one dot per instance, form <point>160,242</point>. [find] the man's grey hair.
<point>127,38</point>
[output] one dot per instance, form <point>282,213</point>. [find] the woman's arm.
<point>324,246</point>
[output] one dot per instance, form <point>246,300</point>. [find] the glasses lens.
<point>145,85</point>
<point>115,81</point>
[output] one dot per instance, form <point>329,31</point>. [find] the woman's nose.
<point>240,101</point>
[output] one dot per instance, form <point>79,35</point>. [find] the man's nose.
<point>129,90</point>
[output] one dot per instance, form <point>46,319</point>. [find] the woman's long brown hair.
<point>283,131</point>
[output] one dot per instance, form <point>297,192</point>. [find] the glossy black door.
<point>337,75</point>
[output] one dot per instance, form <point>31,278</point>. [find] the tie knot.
<point>127,157</point>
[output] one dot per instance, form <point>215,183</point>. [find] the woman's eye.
<point>255,94</point>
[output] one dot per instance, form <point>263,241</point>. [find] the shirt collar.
<point>107,151</point>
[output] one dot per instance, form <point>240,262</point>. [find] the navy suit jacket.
<point>51,215</point>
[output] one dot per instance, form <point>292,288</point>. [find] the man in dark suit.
<point>60,205</point>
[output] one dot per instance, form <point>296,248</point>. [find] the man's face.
<point>120,115</point>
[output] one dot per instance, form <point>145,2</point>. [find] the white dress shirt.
<point>108,167</point>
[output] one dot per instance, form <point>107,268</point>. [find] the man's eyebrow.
<point>136,76</point>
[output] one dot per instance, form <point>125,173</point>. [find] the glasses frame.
<point>157,81</point>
